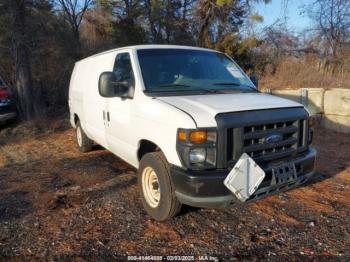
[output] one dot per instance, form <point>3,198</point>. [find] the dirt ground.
<point>59,204</point>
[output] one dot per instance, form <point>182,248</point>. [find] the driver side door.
<point>119,137</point>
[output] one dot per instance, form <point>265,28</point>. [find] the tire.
<point>167,205</point>
<point>84,143</point>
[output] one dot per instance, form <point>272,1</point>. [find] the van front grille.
<point>265,136</point>
<point>256,143</point>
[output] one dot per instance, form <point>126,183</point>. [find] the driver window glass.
<point>123,69</point>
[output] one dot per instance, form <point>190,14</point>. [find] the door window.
<point>123,69</point>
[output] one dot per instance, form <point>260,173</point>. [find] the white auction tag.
<point>244,178</point>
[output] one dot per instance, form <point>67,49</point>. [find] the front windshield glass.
<point>186,70</point>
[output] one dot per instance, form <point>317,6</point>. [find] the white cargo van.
<point>194,125</point>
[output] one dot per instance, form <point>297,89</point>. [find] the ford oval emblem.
<point>273,139</point>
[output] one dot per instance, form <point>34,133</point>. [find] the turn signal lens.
<point>182,135</point>
<point>198,137</point>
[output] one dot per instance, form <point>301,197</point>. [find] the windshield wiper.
<point>227,84</point>
<point>234,84</point>
<point>211,91</point>
<point>171,85</point>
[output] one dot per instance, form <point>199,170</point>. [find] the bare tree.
<point>332,25</point>
<point>74,11</point>
<point>217,18</point>
<point>19,49</point>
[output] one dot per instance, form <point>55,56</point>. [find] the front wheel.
<point>156,188</point>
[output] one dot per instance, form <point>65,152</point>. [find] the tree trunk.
<point>23,80</point>
<point>24,85</point>
<point>153,29</point>
<point>78,54</point>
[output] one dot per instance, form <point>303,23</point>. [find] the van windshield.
<point>185,70</point>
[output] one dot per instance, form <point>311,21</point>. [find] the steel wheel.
<point>150,187</point>
<point>79,136</point>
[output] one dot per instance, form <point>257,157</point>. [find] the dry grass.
<point>305,72</point>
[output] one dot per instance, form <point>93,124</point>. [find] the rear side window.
<point>122,68</point>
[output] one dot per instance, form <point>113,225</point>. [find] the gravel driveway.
<point>59,204</point>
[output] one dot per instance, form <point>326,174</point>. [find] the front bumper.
<point>206,188</point>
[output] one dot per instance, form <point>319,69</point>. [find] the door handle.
<point>108,118</point>
<point>104,115</point>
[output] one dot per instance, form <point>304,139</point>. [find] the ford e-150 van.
<point>193,124</point>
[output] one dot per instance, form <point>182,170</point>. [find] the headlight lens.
<point>197,155</point>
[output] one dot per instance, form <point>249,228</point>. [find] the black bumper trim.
<point>206,188</point>
<point>214,202</point>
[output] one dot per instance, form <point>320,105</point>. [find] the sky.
<point>276,10</point>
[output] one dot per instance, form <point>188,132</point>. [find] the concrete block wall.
<point>332,107</point>
<point>337,110</point>
<point>315,100</point>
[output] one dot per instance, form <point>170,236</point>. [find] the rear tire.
<point>84,143</point>
<point>156,188</point>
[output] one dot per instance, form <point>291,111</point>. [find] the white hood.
<point>204,108</point>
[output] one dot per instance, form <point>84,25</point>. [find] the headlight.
<point>197,148</point>
<point>197,155</point>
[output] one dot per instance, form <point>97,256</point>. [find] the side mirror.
<point>255,80</point>
<point>109,87</point>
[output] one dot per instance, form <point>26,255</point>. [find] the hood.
<point>204,108</point>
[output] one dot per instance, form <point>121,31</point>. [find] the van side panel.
<point>94,103</point>
<point>86,100</point>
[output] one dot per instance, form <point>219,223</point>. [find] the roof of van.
<point>138,47</point>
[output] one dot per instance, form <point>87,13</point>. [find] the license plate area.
<point>284,174</point>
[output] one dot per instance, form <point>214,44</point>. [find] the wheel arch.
<point>75,119</point>
<point>147,146</point>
